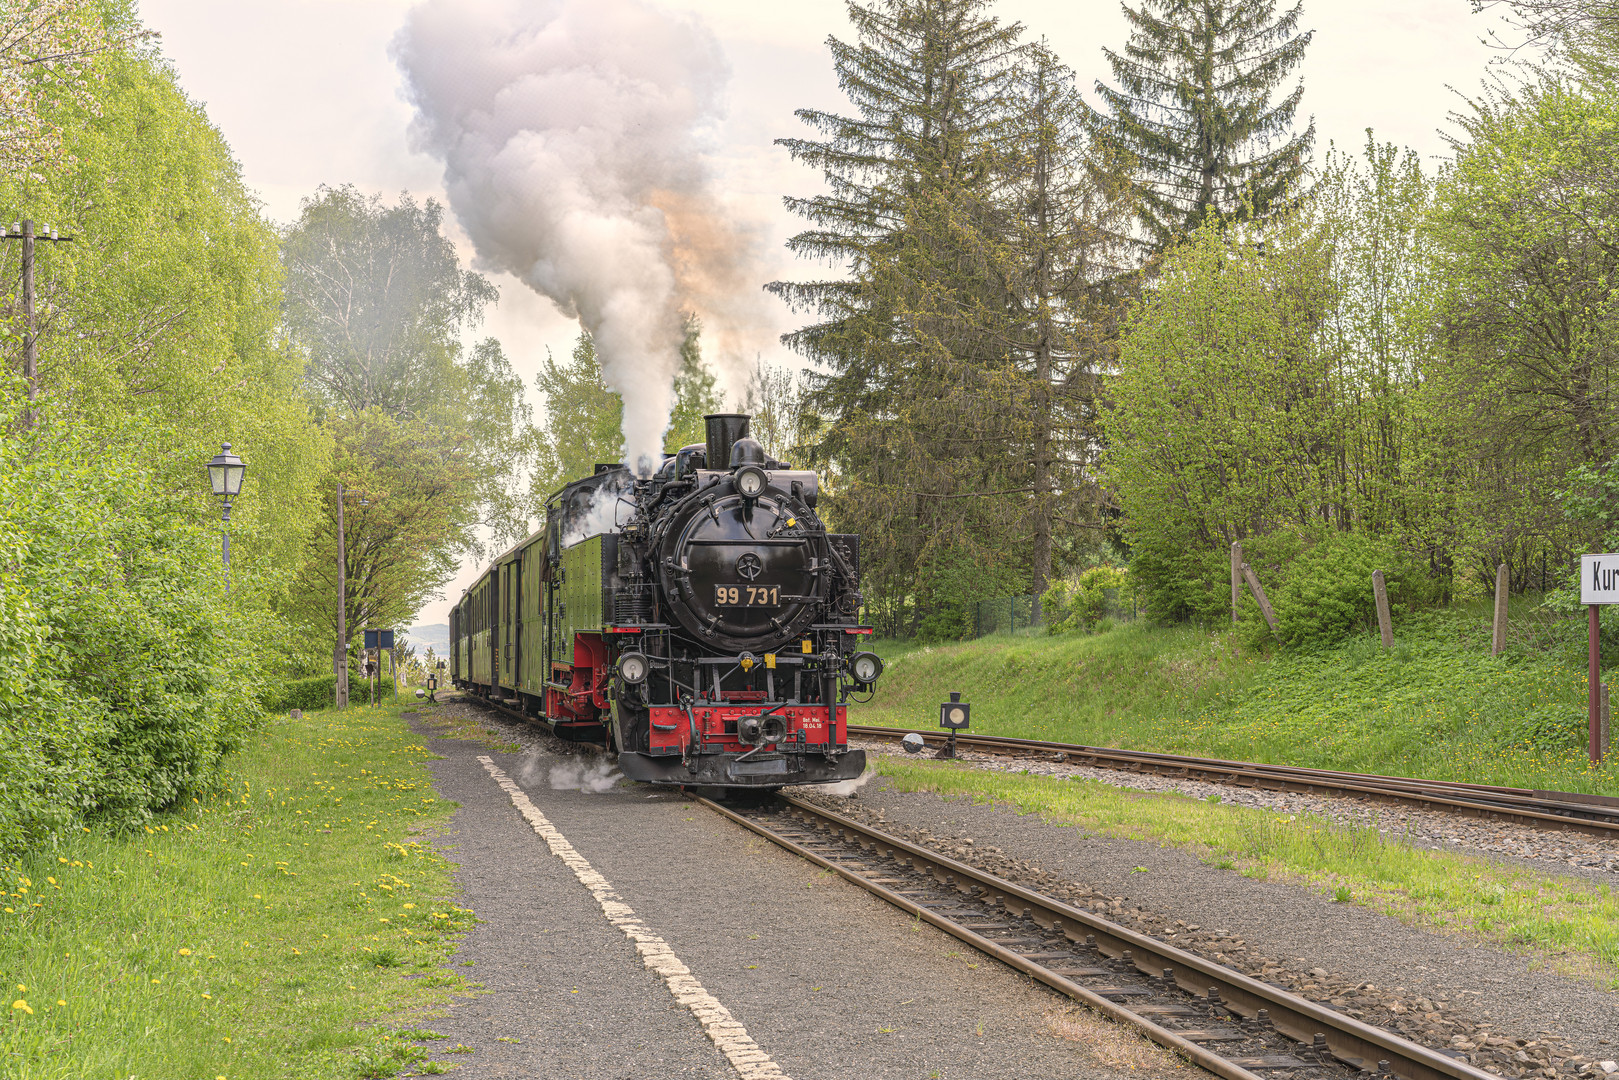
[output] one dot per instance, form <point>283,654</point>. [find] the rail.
<point>1550,810</point>
<point>1230,1024</point>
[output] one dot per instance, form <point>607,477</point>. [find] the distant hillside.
<point>436,635</point>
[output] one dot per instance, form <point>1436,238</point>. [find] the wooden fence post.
<point>1605,734</point>
<point>1236,578</point>
<point>1498,639</point>
<point>1259,595</point>
<point>1385,625</point>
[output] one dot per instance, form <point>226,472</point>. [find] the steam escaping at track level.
<point>591,777</point>
<point>570,132</point>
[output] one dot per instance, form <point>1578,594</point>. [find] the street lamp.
<point>225,473</point>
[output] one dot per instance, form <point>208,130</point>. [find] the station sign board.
<point>1599,579</point>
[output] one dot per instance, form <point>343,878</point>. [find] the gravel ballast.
<point>1447,991</point>
<point>1585,855</point>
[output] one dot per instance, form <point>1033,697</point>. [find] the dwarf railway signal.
<point>954,716</point>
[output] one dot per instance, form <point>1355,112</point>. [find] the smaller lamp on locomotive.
<point>864,667</point>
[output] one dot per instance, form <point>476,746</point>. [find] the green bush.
<point>1082,603</point>
<point>359,689</point>
<point>316,692</point>
<point>947,623</point>
<point>131,673</point>
<point>1325,592</point>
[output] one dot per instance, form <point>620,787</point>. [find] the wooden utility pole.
<point>340,654</point>
<point>1498,638</point>
<point>30,343</point>
<point>1385,624</point>
<point>1236,578</point>
<point>24,231</point>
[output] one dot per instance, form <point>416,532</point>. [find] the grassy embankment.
<point>1438,705</point>
<point>1575,926</point>
<point>271,929</point>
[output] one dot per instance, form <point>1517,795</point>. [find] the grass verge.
<point>1575,924</point>
<point>265,931</point>
<point>1438,705</point>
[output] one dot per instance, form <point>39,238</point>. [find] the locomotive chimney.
<point>723,430</point>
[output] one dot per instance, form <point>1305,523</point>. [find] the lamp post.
<point>225,473</point>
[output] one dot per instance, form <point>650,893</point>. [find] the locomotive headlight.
<point>632,668</point>
<point>750,481</point>
<point>865,667</point>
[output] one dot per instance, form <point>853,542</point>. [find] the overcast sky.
<point>305,93</point>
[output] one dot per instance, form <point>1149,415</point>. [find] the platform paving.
<point>829,981</point>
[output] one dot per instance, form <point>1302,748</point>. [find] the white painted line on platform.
<point>750,1062</point>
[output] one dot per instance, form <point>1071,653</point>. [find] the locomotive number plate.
<point>747,595</point>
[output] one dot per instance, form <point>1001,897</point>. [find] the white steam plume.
<point>571,133</point>
<point>591,777</point>
<point>841,788</point>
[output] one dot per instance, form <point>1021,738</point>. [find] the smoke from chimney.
<point>572,135</point>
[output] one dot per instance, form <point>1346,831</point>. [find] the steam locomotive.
<point>702,622</point>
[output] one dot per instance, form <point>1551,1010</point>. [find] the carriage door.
<point>518,619</point>
<point>492,605</point>
<point>505,661</point>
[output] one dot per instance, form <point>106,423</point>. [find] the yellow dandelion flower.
<point>22,988</point>
<point>227,1038</point>
<point>410,905</point>
<point>59,1001</point>
<point>23,1005</point>
<point>185,952</point>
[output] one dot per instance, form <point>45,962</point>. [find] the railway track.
<point>1597,815</point>
<point>1232,1025</point>
<point>1553,811</point>
<point>1222,1020</point>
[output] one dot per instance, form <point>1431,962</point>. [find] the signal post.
<point>1599,584</point>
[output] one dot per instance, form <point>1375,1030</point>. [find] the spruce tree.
<point>1065,260</point>
<point>1194,109</point>
<point>904,374</point>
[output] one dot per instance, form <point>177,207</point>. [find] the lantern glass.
<point>225,473</point>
